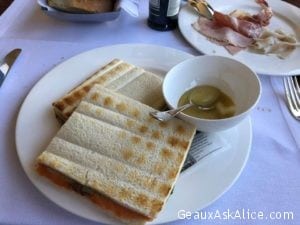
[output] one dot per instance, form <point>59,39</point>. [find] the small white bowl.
<point>232,77</point>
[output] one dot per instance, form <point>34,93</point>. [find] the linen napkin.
<point>129,6</point>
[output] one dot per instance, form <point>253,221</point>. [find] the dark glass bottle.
<point>163,14</point>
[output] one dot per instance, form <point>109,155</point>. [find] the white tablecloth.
<point>269,182</point>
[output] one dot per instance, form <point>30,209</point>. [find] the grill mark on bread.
<point>166,153</point>
<point>102,79</point>
<point>150,145</point>
<point>156,206</point>
<point>141,160</point>
<point>108,101</point>
<point>69,100</point>
<point>135,113</point>
<point>129,123</point>
<point>143,129</point>
<point>163,124</point>
<point>173,141</point>
<point>153,183</point>
<point>142,200</point>
<point>59,105</point>
<point>164,189</point>
<point>155,134</point>
<point>135,139</point>
<point>172,174</point>
<point>95,96</point>
<point>127,154</point>
<point>79,94</point>
<point>87,88</point>
<point>121,107</point>
<point>180,129</point>
<point>158,168</point>
<point>124,193</point>
<point>184,144</point>
<point>117,70</point>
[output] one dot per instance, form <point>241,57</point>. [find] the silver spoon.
<point>167,115</point>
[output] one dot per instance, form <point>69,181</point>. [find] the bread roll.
<point>83,6</point>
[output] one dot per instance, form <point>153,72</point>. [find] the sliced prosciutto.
<point>262,18</point>
<point>222,35</point>
<point>243,27</point>
<point>237,30</point>
<point>244,23</point>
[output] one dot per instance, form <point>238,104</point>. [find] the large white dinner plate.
<point>286,17</point>
<point>196,188</point>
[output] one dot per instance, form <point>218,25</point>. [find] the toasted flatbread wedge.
<point>115,153</point>
<point>117,75</point>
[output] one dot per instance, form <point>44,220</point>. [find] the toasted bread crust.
<point>115,210</point>
<point>119,76</point>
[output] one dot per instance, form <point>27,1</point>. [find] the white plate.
<point>286,17</point>
<point>196,188</point>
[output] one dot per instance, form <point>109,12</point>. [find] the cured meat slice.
<point>243,27</point>
<point>223,35</point>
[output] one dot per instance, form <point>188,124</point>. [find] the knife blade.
<point>7,63</point>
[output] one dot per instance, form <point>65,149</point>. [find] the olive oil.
<point>163,14</point>
<point>222,106</point>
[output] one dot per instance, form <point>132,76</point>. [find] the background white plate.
<point>286,17</point>
<point>196,188</point>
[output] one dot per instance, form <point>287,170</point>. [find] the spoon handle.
<point>174,112</point>
<point>167,115</point>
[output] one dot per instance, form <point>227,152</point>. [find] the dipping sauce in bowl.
<point>237,82</point>
<point>217,104</point>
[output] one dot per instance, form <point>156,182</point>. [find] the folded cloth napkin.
<point>130,6</point>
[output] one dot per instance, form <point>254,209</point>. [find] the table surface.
<point>270,181</point>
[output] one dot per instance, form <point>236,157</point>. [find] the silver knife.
<point>7,63</point>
